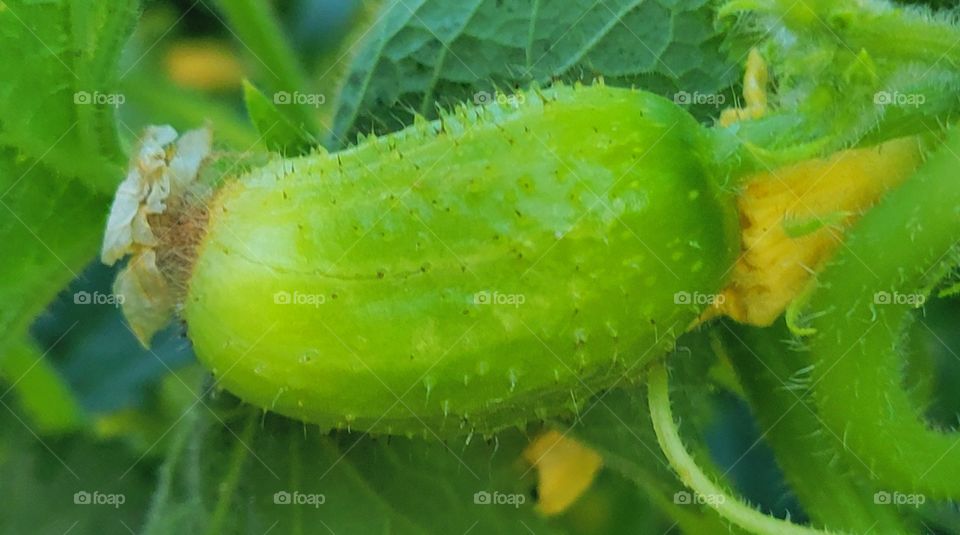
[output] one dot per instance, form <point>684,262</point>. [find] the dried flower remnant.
<point>161,172</point>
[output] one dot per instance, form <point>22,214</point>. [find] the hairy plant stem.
<point>730,507</point>
<point>860,312</point>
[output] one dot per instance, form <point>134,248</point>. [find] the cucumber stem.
<point>864,302</point>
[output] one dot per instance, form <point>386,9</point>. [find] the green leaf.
<point>331,66</point>
<point>425,53</point>
<point>51,227</point>
<point>226,468</point>
<point>44,396</point>
<point>255,25</point>
<point>60,156</point>
<point>278,133</point>
<point>40,476</point>
<point>58,99</point>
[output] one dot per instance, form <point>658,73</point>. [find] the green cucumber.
<point>497,266</point>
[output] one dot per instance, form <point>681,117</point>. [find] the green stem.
<point>728,506</point>
<point>606,431</point>
<point>100,30</point>
<point>168,478</point>
<point>861,310</point>
<point>231,479</point>
<point>296,470</point>
<point>899,35</point>
<point>884,30</point>
<point>772,375</point>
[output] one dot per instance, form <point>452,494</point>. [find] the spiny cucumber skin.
<point>400,233</point>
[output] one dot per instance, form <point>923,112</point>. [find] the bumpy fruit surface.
<point>499,265</point>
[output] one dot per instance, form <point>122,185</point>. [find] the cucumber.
<point>497,266</point>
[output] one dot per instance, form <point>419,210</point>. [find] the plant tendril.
<point>730,507</point>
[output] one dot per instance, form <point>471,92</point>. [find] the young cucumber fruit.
<point>497,266</point>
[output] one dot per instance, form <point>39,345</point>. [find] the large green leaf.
<point>425,53</point>
<point>60,156</point>
<point>50,226</point>
<point>225,471</point>
<point>58,99</point>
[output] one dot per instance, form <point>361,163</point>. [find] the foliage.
<point>185,456</point>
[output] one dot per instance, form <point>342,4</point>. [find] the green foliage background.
<point>86,409</point>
